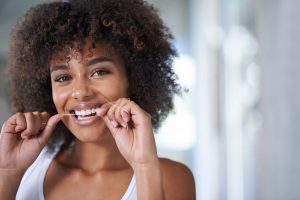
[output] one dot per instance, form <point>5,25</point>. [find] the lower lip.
<point>86,120</point>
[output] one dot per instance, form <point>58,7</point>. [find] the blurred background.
<point>238,126</point>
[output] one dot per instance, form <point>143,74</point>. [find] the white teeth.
<point>88,112</point>
<point>85,112</point>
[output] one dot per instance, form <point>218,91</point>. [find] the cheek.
<point>123,85</point>
<point>126,87</point>
<point>121,88</point>
<point>58,97</point>
<point>55,98</point>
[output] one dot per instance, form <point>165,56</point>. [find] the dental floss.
<point>107,101</point>
<point>67,114</point>
<point>70,114</point>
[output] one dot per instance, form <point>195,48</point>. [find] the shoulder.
<point>178,180</point>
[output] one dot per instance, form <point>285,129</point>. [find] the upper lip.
<point>85,106</point>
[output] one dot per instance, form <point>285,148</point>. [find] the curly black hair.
<point>132,28</point>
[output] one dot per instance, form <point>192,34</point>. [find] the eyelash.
<point>100,72</point>
<point>64,78</point>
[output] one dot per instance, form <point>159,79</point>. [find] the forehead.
<point>84,52</point>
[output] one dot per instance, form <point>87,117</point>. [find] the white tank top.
<point>31,186</point>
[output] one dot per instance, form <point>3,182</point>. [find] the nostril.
<point>81,95</point>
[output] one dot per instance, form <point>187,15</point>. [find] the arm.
<point>178,182</point>
<point>22,138</point>
<point>132,130</point>
<point>149,181</point>
<point>157,179</point>
<point>9,183</point>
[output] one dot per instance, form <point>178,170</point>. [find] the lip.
<point>86,121</point>
<point>85,106</point>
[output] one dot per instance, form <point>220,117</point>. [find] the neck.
<point>94,157</point>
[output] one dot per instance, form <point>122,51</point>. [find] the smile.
<point>84,114</point>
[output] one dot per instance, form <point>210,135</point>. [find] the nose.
<point>81,90</point>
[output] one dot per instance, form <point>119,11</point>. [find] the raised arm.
<point>132,130</point>
<point>22,138</point>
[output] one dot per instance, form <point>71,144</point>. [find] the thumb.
<point>51,124</point>
<point>113,129</point>
<point>101,112</point>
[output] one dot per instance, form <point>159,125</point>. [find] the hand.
<point>131,128</point>
<point>22,138</point>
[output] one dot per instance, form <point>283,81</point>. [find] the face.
<point>83,83</point>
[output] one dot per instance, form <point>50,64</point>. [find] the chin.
<point>90,133</point>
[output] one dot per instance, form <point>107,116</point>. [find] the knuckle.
<point>110,115</point>
<point>29,114</point>
<point>45,114</point>
<point>125,100</point>
<point>26,132</point>
<point>18,115</point>
<point>22,124</point>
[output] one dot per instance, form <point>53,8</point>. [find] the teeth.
<point>88,112</point>
<point>85,112</point>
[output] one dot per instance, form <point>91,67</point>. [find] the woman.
<point>89,81</point>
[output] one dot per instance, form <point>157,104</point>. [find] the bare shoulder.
<point>178,180</point>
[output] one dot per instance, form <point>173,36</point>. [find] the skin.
<point>110,146</point>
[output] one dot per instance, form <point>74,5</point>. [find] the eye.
<point>99,72</point>
<point>62,78</point>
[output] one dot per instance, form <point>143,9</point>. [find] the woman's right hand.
<point>23,136</point>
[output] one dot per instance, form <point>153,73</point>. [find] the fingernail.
<point>125,117</point>
<point>114,123</point>
<point>124,125</point>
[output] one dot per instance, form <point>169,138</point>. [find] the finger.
<point>102,111</point>
<point>41,119</point>
<point>133,113</point>
<point>125,111</point>
<point>15,124</point>
<point>30,122</point>
<point>49,128</point>
<point>118,114</point>
<point>44,118</point>
<point>34,124</point>
<point>20,122</point>
<point>125,114</point>
<point>111,125</point>
<point>111,114</point>
<point>37,122</point>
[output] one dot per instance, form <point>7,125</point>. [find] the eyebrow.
<point>58,67</point>
<point>89,63</point>
<point>99,60</point>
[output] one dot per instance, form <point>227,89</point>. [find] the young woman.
<point>90,81</point>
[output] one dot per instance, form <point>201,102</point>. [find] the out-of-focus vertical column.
<point>279,144</point>
<point>204,38</point>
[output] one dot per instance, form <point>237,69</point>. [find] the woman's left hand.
<point>131,128</point>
